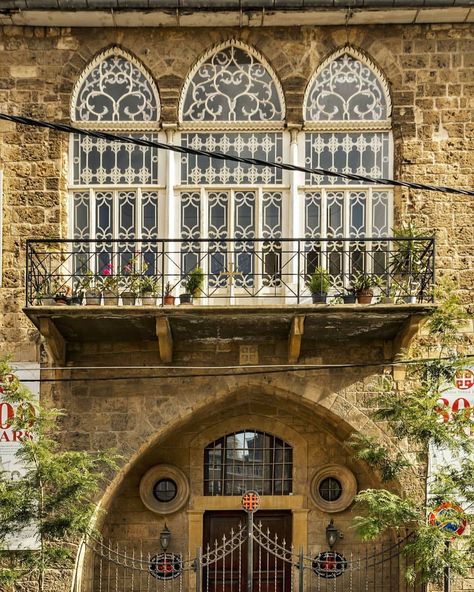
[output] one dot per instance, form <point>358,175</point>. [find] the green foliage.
<point>319,282</point>
<point>415,418</point>
<point>194,281</point>
<point>56,492</point>
<point>378,456</point>
<point>382,510</point>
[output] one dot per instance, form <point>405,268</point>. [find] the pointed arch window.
<point>114,186</point>
<point>233,103</point>
<point>347,111</point>
<point>248,460</point>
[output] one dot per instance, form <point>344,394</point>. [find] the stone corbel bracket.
<point>54,342</point>
<point>402,342</point>
<point>165,339</point>
<point>295,337</point>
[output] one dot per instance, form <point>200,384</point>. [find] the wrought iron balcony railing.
<point>234,271</point>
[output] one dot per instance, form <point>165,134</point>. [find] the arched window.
<point>347,113</point>
<point>232,103</point>
<point>248,460</point>
<point>114,185</point>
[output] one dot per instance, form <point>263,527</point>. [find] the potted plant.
<point>109,283</point>
<point>192,284</point>
<point>87,287</point>
<point>168,297</point>
<point>319,284</point>
<point>408,259</point>
<point>349,296</point>
<point>148,288</point>
<point>364,285</point>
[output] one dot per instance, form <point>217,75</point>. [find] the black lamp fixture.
<point>165,538</point>
<point>332,534</point>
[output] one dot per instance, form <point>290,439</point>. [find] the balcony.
<point>235,271</point>
<point>252,288</point>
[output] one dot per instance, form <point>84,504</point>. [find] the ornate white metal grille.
<point>346,89</point>
<point>232,85</point>
<point>354,214</point>
<point>115,89</point>
<point>362,153</point>
<point>98,162</point>
<point>198,169</point>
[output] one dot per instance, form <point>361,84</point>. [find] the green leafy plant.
<point>194,281</point>
<point>148,284</point>
<point>55,493</point>
<point>319,282</point>
<point>364,282</point>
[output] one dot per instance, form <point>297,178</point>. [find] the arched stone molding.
<point>238,124</point>
<point>362,57</point>
<point>118,51</point>
<point>336,414</point>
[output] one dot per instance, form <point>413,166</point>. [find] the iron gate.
<point>251,559</point>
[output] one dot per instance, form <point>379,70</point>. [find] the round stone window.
<point>333,488</point>
<point>330,489</point>
<point>164,489</point>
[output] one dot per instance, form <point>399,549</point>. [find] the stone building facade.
<point>163,418</point>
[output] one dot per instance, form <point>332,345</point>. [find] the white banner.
<point>458,396</point>
<point>10,442</point>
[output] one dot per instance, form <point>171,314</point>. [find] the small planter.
<point>185,299</point>
<point>110,298</point>
<point>168,300</point>
<point>76,300</point>
<point>148,299</point>
<point>128,298</point>
<point>365,296</point>
<point>93,298</point>
<point>61,300</point>
<point>409,299</point>
<point>387,300</point>
<point>46,300</point>
<point>320,298</point>
<point>349,299</point>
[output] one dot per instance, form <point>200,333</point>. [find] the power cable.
<point>62,127</point>
<point>258,369</point>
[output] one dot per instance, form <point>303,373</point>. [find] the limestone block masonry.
<point>430,69</point>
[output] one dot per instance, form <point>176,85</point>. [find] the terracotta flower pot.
<point>168,300</point>
<point>365,296</point>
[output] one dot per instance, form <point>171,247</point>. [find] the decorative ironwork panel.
<point>272,202</point>
<point>218,229</point>
<point>381,202</point>
<point>98,162</point>
<point>357,213</point>
<point>366,153</point>
<point>248,460</point>
<point>346,89</point>
<point>335,213</point>
<point>190,229</point>
<point>244,227</point>
<point>232,85</point>
<point>149,205</point>
<point>81,214</point>
<point>196,170</point>
<point>312,223</point>
<point>116,90</point>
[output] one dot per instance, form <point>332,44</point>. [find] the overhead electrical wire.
<point>257,369</point>
<point>62,127</point>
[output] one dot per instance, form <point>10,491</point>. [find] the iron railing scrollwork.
<point>236,271</point>
<point>276,566</point>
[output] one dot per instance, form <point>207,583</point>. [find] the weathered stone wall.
<point>430,70</point>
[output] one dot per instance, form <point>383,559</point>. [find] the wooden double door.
<point>230,572</point>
